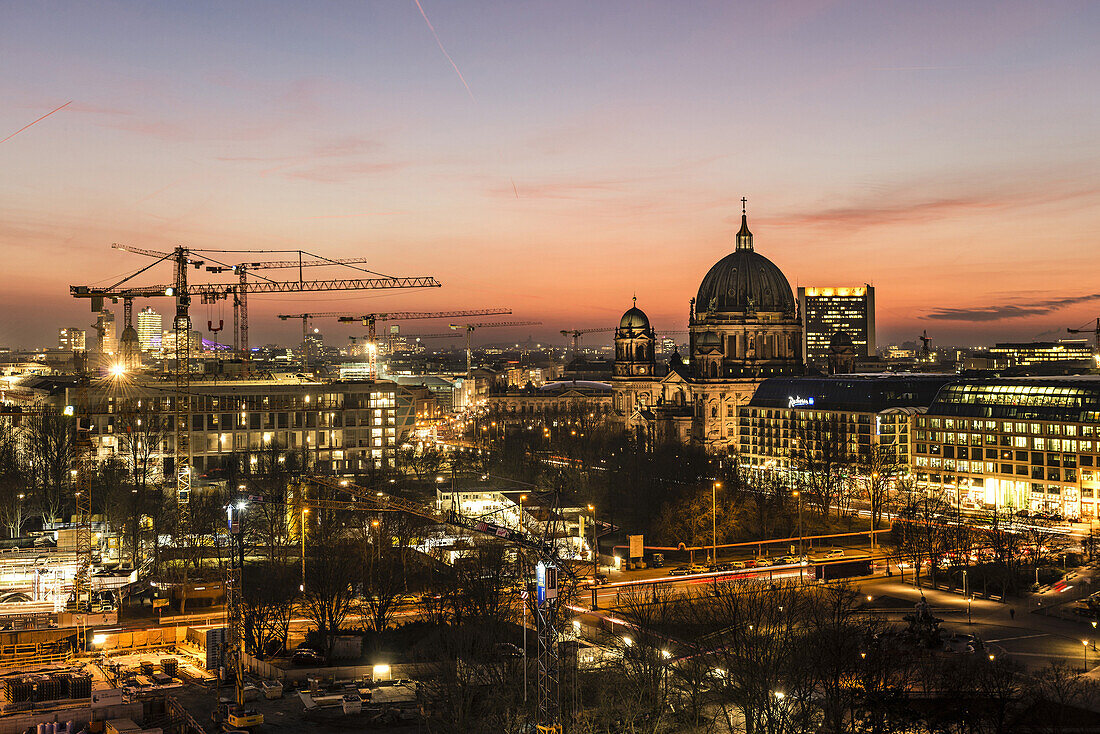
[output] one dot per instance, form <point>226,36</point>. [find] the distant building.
<point>105,331</point>
<point>826,311</point>
<point>71,339</point>
<point>573,399</point>
<point>1027,354</point>
<point>150,325</point>
<point>1014,443</point>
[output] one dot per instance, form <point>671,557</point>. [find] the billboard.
<point>637,545</point>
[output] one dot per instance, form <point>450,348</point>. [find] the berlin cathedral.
<point>744,327</point>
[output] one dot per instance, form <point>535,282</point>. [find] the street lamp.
<point>522,499</point>
<point>19,517</point>
<point>714,520</point>
<point>798,496</point>
<point>305,511</point>
<point>1085,646</point>
<point>595,557</point>
<point>874,485</point>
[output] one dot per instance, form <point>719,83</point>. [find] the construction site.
<point>96,639</point>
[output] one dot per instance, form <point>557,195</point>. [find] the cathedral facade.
<point>743,327</point>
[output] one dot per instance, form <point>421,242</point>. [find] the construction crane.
<point>240,295</point>
<point>370,321</point>
<point>182,291</point>
<point>578,333</point>
<point>470,328</point>
<point>1095,331</point>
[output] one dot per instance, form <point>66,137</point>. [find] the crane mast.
<point>181,401</point>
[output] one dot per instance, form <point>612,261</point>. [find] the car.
<point>306,656</point>
<point>750,563</point>
<point>784,561</point>
<point>680,571</point>
<point>763,562</point>
<point>736,565</point>
<point>1023,513</point>
<point>696,568</point>
<point>600,580</point>
<point>507,650</point>
<point>834,553</point>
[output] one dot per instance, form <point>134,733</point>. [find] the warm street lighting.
<point>595,558</point>
<point>627,641</point>
<point>714,523</point>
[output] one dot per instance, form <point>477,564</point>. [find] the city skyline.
<point>559,162</point>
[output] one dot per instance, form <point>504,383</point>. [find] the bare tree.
<point>823,457</point>
<point>50,440</point>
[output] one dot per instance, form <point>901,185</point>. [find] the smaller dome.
<point>708,339</point>
<point>840,340</point>
<point>634,318</point>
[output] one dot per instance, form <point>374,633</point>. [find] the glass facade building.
<point>1013,443</point>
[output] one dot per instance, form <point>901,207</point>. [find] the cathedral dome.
<point>744,280</point>
<point>634,318</point>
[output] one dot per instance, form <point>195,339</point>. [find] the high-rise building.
<point>149,327</point>
<point>105,330</point>
<point>826,311</point>
<point>71,339</point>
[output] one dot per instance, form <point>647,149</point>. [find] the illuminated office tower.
<point>149,327</point>
<point>826,311</point>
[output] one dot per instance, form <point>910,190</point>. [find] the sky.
<point>558,158</point>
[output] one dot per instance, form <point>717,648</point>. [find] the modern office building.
<point>71,339</point>
<point>1014,443</point>
<point>826,311</point>
<point>150,327</point>
<point>862,420</point>
<point>344,427</point>
<point>1029,354</point>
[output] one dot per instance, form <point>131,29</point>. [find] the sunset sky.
<point>559,157</point>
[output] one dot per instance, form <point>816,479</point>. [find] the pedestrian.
<point>1012,612</point>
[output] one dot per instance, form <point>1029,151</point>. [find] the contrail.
<point>437,42</point>
<point>40,119</point>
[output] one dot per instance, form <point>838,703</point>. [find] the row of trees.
<point>777,660</point>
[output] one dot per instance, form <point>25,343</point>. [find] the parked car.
<point>736,565</point>
<point>834,553</point>
<point>600,580</point>
<point>763,562</point>
<point>306,656</point>
<point>680,571</point>
<point>507,650</point>
<point>1023,513</point>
